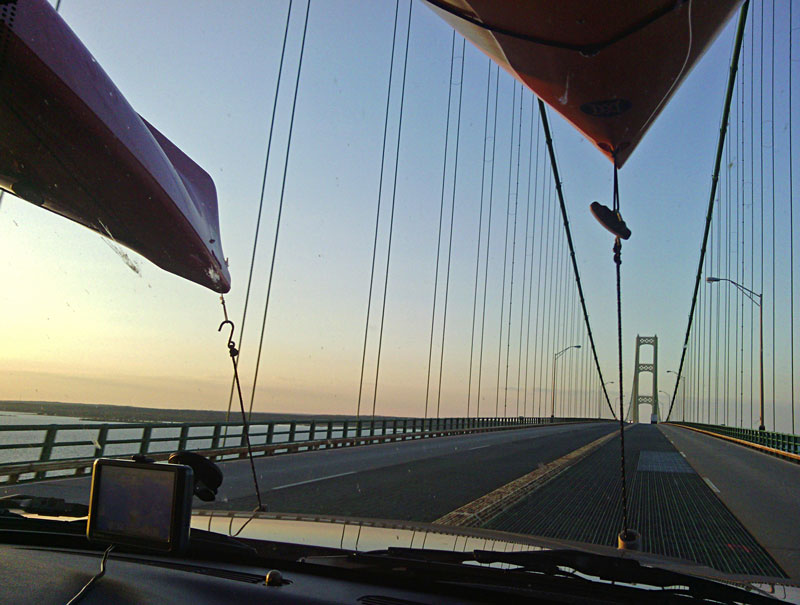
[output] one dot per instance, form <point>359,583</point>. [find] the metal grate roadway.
<point>670,505</point>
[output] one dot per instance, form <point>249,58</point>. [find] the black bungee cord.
<point>612,220</point>
<point>233,352</point>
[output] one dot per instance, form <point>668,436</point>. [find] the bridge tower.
<point>636,398</point>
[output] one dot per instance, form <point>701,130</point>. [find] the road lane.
<point>675,511</point>
<point>417,479</point>
<point>412,480</point>
<point>762,491</point>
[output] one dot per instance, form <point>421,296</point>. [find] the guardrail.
<point>36,452</point>
<point>782,445</point>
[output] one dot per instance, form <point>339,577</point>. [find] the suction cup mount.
<point>207,475</point>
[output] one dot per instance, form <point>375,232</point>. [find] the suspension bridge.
<point>507,364</point>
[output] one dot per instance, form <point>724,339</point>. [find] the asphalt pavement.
<point>419,479</point>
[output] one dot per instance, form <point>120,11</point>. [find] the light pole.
<point>555,357</point>
<point>600,400</point>
<point>659,406</point>
<point>683,395</point>
<point>755,298</point>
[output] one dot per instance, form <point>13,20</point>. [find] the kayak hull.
<point>72,144</point>
<point>608,67</point>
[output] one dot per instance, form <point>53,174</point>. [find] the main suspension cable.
<point>557,181</point>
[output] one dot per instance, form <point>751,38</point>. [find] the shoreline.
<point>128,413</point>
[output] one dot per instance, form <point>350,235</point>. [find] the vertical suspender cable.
<point>378,208</point>
<point>280,204</point>
<point>505,249</point>
<point>513,255</point>
<point>752,202</point>
<point>739,322</point>
<point>391,213</point>
<point>441,218</point>
<point>452,222</point>
<point>739,278</point>
<point>526,279</point>
<point>741,239</point>
<point>561,324</point>
<point>480,234</point>
<point>729,293</point>
<point>709,213</point>
<point>260,208</point>
<point>544,228</point>
<point>772,170</point>
<point>715,315</point>
<point>546,323</point>
<point>557,181</point>
<point>761,172</point>
<point>524,261</point>
<point>488,238</point>
<point>791,220</point>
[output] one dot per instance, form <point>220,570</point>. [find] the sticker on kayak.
<point>606,109</point>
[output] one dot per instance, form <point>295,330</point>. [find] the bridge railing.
<point>35,452</point>
<point>780,443</point>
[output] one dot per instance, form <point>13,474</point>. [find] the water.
<point>81,442</point>
<point>34,438</point>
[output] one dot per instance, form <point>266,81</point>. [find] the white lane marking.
<point>480,447</point>
<point>313,480</point>
<point>710,484</point>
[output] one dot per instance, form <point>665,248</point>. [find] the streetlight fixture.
<point>600,400</point>
<point>683,395</point>
<point>756,299</point>
<point>555,357</point>
<point>665,393</point>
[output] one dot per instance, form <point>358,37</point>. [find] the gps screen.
<point>136,502</point>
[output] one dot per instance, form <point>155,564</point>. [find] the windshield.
<point>422,314</point>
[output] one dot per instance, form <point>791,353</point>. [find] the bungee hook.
<point>231,344</point>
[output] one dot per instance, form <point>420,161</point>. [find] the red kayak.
<point>71,143</point>
<point>609,67</point>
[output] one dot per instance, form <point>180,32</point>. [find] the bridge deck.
<point>417,480</point>
<point>411,480</point>
<point>673,507</point>
<point>762,491</point>
<point>677,511</point>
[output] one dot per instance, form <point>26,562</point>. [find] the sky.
<point>81,325</point>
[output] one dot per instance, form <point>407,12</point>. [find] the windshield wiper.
<point>564,564</point>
